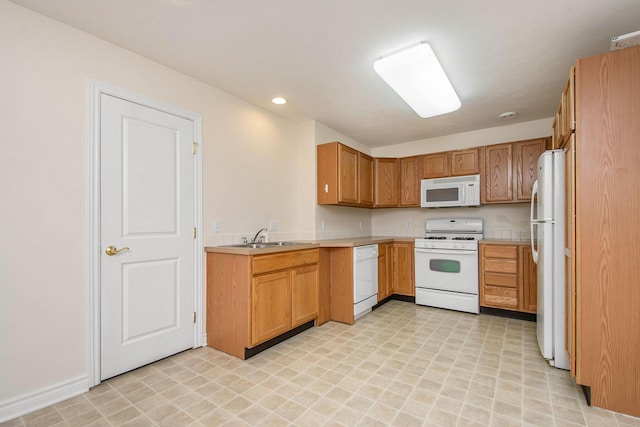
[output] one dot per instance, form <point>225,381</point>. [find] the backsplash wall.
<point>508,221</point>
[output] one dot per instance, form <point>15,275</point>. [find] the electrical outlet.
<point>273,225</point>
<point>322,225</point>
<point>408,224</point>
<point>217,226</point>
<point>360,225</point>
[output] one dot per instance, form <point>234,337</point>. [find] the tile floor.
<point>401,365</point>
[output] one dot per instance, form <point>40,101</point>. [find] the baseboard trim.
<point>520,315</point>
<point>28,402</point>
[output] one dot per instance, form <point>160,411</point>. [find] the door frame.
<point>94,249</point>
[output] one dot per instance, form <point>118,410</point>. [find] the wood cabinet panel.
<point>382,273</point>
<point>501,265</point>
<point>304,294</point>
<point>283,260</point>
<point>529,282</point>
<point>498,179</point>
<point>271,301</point>
<point>501,251</point>
<point>465,162</point>
<point>403,269</point>
<point>435,165</point>
<point>500,297</point>
<point>365,180</point>
<point>526,161</point>
<point>347,175</point>
<point>500,279</point>
<point>607,249</point>
<point>385,182</point>
<point>409,183</point>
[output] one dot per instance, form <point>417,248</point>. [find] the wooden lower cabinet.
<point>507,277</point>
<point>270,306</point>
<point>385,270</point>
<point>251,299</point>
<point>403,268</point>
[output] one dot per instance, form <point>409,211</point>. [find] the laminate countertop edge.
<point>329,243</point>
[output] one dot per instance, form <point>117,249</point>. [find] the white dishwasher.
<point>365,279</point>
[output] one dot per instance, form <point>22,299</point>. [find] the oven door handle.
<point>446,251</point>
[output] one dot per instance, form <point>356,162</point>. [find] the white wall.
<point>500,221</point>
<point>249,173</point>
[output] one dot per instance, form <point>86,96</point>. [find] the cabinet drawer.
<point>500,297</point>
<point>284,260</point>
<point>501,265</point>
<point>500,251</point>
<point>499,279</point>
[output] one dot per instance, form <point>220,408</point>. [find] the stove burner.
<point>436,238</point>
<point>463,238</point>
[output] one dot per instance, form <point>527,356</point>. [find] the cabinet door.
<point>386,182</point>
<point>365,180</point>
<point>465,162</point>
<point>435,165</point>
<point>403,283</point>
<point>390,269</point>
<point>382,272</point>
<point>526,160</point>
<point>347,175</point>
<point>271,306</point>
<point>498,174</point>
<point>529,281</point>
<point>304,294</point>
<point>409,183</point>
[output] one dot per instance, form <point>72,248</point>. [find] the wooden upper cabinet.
<point>345,176</point>
<point>451,163</point>
<point>435,165</point>
<point>526,165</point>
<point>385,182</point>
<point>510,170</point>
<point>498,174</point>
<point>409,182</point>
<point>365,180</point>
<point>465,162</point>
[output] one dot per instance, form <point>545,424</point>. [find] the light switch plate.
<point>273,225</point>
<point>217,226</point>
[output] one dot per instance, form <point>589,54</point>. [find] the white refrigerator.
<point>547,242</point>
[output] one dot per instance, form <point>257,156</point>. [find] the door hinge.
<point>194,317</point>
<point>194,232</point>
<point>193,147</point>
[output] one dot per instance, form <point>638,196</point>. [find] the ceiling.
<point>500,55</point>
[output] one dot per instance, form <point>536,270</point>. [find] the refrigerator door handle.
<point>534,221</point>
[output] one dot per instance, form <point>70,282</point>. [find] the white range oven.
<point>446,264</point>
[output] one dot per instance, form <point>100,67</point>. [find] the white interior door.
<point>147,211</point>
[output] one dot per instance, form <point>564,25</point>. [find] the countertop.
<point>505,242</point>
<point>331,243</point>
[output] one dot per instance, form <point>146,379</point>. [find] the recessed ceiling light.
<point>416,75</point>
<point>508,115</point>
<point>278,100</point>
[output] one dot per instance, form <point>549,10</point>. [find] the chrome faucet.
<point>255,238</point>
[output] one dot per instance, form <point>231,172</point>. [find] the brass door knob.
<point>112,250</point>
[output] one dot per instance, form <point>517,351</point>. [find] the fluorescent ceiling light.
<point>416,75</point>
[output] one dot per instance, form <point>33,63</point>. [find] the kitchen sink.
<point>262,245</point>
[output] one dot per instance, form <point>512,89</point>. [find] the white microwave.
<point>450,192</point>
